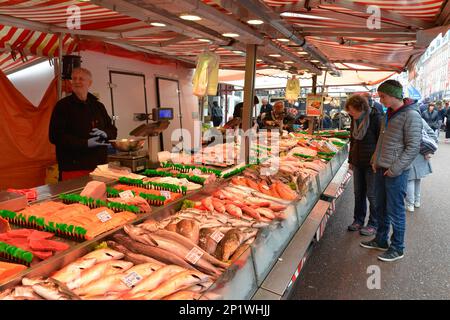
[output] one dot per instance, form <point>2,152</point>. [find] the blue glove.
<point>93,143</point>
<point>98,133</point>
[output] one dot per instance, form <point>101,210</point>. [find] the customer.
<point>420,168</point>
<point>80,128</point>
<point>442,112</point>
<point>365,128</point>
<point>216,114</point>
<point>431,116</point>
<point>397,147</point>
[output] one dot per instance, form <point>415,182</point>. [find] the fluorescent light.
<point>237,52</point>
<point>204,40</point>
<point>255,22</point>
<point>283,40</point>
<point>315,61</point>
<point>230,35</point>
<point>301,15</point>
<point>158,24</point>
<point>289,62</point>
<point>190,17</point>
<point>302,52</point>
<point>275,55</point>
<point>259,60</point>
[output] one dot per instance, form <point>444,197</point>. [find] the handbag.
<point>427,144</point>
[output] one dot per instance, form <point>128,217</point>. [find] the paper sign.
<point>166,194</point>
<point>194,255</point>
<point>104,216</point>
<point>217,236</point>
<point>131,279</point>
<point>314,105</point>
<point>125,195</point>
<point>196,172</point>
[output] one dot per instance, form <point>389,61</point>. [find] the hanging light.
<point>302,52</point>
<point>283,40</point>
<point>190,17</point>
<point>158,24</point>
<point>204,40</point>
<point>289,62</point>
<point>275,55</point>
<point>230,35</point>
<point>255,22</point>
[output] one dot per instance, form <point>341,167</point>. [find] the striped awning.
<point>338,29</point>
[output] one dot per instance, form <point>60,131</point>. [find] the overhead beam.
<point>380,32</point>
<point>444,17</point>
<point>370,64</point>
<point>400,19</point>
<point>148,13</point>
<point>266,14</point>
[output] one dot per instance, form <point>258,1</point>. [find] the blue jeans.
<point>392,197</point>
<point>365,184</point>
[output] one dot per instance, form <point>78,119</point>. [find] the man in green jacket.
<point>397,147</point>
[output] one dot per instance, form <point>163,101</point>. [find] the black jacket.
<point>361,151</point>
<point>71,122</point>
<point>432,119</point>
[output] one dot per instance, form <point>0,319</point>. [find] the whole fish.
<point>176,283</point>
<point>206,242</point>
<point>183,252</point>
<point>99,270</point>
<point>266,212</point>
<point>135,258</point>
<point>189,245</point>
<point>207,203</point>
<point>20,293</point>
<point>153,281</point>
<point>73,270</point>
<point>239,251</point>
<point>153,252</point>
<point>183,295</point>
<point>228,245</point>
<point>54,290</point>
<point>189,229</point>
<point>106,254</point>
<point>218,205</point>
<point>138,234</point>
<point>251,212</point>
<point>233,210</point>
<point>115,283</point>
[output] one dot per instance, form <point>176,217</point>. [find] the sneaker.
<point>354,227</point>
<point>417,204</point>
<point>391,255</point>
<point>368,231</point>
<point>410,208</point>
<point>372,244</point>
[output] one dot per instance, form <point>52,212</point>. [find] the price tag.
<point>196,172</point>
<point>166,194</point>
<point>131,279</point>
<point>194,255</point>
<point>104,216</point>
<point>125,195</point>
<point>217,236</point>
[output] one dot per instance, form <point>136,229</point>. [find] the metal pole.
<point>249,87</point>
<point>323,104</point>
<point>59,67</point>
<point>314,84</point>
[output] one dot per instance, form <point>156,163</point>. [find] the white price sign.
<point>104,216</point>
<point>217,236</point>
<point>196,172</point>
<point>131,279</point>
<point>166,194</point>
<point>194,255</point>
<point>125,195</point>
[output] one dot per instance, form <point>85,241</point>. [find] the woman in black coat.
<point>365,129</point>
<point>431,116</point>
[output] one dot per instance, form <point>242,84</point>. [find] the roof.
<point>320,34</point>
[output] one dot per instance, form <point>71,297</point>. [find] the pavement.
<point>339,268</point>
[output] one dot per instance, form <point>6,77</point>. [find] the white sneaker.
<point>417,204</point>
<point>409,208</point>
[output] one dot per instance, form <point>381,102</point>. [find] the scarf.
<point>359,131</point>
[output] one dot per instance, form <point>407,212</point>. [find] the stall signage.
<point>131,279</point>
<point>166,194</point>
<point>104,216</point>
<point>125,195</point>
<point>217,236</point>
<point>194,255</point>
<point>314,105</point>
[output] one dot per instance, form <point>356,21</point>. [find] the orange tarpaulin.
<point>25,149</point>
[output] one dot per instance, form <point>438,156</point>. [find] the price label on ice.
<point>166,194</point>
<point>194,255</point>
<point>131,279</point>
<point>196,171</point>
<point>128,194</point>
<point>104,216</point>
<point>217,236</point>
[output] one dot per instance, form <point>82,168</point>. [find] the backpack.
<point>428,144</point>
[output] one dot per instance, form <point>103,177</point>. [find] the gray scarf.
<point>359,131</point>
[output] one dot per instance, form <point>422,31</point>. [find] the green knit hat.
<point>390,89</point>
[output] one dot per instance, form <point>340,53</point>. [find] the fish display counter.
<point>221,241</point>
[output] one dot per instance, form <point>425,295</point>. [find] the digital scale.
<point>136,160</point>
<point>142,159</point>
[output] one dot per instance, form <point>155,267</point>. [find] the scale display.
<point>161,114</point>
